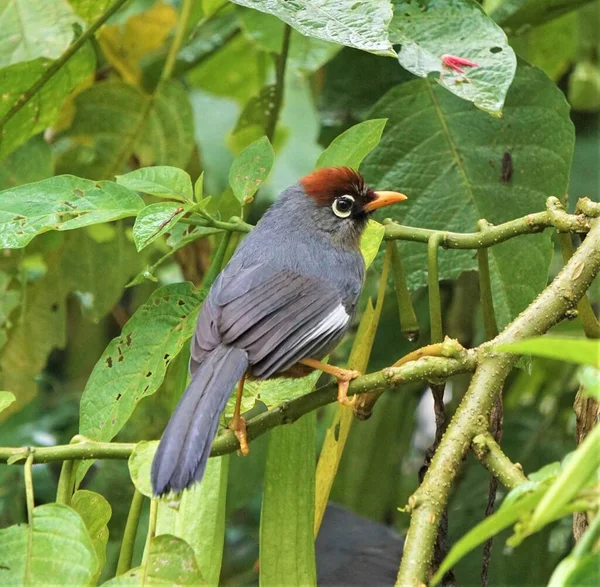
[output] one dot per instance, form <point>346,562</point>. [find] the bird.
<point>281,304</point>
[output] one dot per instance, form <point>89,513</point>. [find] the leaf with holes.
<point>457,28</point>
<point>42,111</point>
<point>361,24</point>
<point>250,169</point>
<point>155,220</point>
<point>134,364</point>
<point>456,164</point>
<point>352,146</point>
<point>60,552</point>
<point>61,203</point>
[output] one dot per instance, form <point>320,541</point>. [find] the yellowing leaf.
<point>125,45</point>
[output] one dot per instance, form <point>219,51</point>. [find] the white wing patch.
<point>333,322</point>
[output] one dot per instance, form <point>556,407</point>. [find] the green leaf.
<point>460,28</point>
<point>199,188</point>
<point>95,512</point>
<point>61,203</point>
<point>162,181</point>
<point>42,111</point>
<point>352,146</point>
<point>30,162</point>
<point>155,220</point>
<point>305,54</point>
<point>6,398</point>
<point>581,465</point>
<point>140,465</point>
<point>90,10</point>
<point>61,551</point>
<point>573,350</point>
<point>518,15</point>
<point>250,169</point>
<point>34,28</point>
<point>114,121</point>
<point>361,24</point>
<point>200,518</point>
<point>371,240</point>
<point>577,572</point>
<point>448,156</point>
<point>287,548</point>
<point>9,300</point>
<point>492,525</point>
<point>134,364</point>
<point>170,562</point>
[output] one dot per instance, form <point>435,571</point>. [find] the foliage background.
<point>110,110</point>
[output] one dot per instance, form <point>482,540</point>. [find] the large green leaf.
<point>517,16</point>
<point>305,54</point>
<point>170,562</point>
<point>61,203</point>
<point>161,181</point>
<point>460,28</point>
<point>352,146</point>
<point>134,364</point>
<point>42,110</point>
<point>361,24</point>
<point>200,518</point>
<point>250,169</point>
<point>448,158</point>
<point>95,512</point>
<point>34,28</point>
<point>61,551</point>
<point>114,121</point>
<point>287,548</point>
<point>573,350</point>
<point>155,220</point>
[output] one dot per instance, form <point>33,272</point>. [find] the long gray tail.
<point>185,445</point>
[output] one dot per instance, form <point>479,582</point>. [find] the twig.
<point>131,528</point>
<point>60,62</point>
<point>279,84</point>
<point>435,302</point>
<point>488,451</point>
<point>471,417</point>
<point>485,290</point>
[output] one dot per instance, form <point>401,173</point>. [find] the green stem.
<point>65,483</point>
<point>409,325</point>
<point>234,224</point>
<point>488,451</point>
<point>60,62</point>
<point>279,84</point>
<point>435,301</point>
<point>485,291</point>
<point>29,494</point>
<point>217,262</point>
<point>584,308</point>
<point>182,22</point>
<point>429,501</point>
<point>151,534</point>
<point>131,528</point>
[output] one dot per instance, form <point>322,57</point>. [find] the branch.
<point>488,451</point>
<point>429,501</point>
<point>279,84</point>
<point>60,62</point>
<point>285,413</point>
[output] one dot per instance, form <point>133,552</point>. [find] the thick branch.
<point>429,501</point>
<point>488,451</point>
<point>286,413</point>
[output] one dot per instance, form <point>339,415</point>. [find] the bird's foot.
<point>344,378</point>
<point>238,426</point>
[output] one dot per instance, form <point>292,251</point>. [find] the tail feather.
<point>185,445</point>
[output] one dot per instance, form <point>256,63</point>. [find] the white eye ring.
<point>342,206</point>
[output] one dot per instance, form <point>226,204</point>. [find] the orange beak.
<point>384,199</point>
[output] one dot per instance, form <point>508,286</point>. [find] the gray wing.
<point>277,316</point>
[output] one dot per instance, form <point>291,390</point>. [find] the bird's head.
<point>342,202</point>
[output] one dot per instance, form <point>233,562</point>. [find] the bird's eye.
<point>342,206</point>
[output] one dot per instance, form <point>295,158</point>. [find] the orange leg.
<point>238,424</point>
<point>343,376</point>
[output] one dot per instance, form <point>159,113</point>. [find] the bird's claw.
<point>343,385</point>
<point>238,426</point>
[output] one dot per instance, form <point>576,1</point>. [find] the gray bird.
<point>284,301</point>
